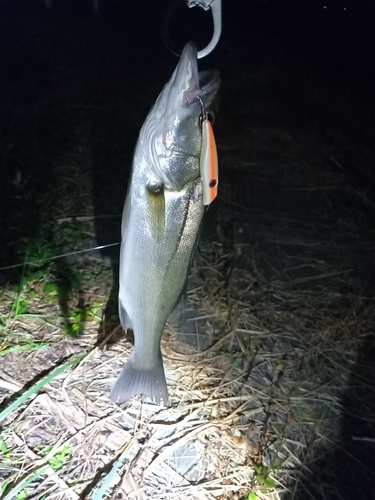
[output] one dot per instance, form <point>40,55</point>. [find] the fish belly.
<point>153,271</point>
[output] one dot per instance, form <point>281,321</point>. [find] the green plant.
<point>59,458</point>
<point>73,231</point>
<point>93,310</point>
<point>54,291</point>
<point>38,256</point>
<point>3,487</point>
<point>75,322</point>
<point>4,448</point>
<point>19,306</point>
<point>263,479</point>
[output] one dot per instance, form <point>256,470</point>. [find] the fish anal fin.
<point>148,382</point>
<point>124,317</point>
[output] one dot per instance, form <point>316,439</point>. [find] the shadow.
<point>128,90</point>
<point>52,73</point>
<point>36,128</point>
<point>37,122</point>
<point>348,470</point>
<point>65,281</point>
<point>65,72</point>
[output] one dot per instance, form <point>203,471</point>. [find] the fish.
<point>161,221</point>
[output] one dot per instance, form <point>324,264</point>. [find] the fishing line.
<point>39,261</point>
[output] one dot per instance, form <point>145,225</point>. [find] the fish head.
<point>172,130</point>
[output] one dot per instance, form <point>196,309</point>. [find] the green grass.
<point>36,387</point>
<point>25,344</point>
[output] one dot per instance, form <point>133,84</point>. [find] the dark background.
<point>104,72</point>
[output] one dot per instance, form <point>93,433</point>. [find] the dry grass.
<point>265,394</point>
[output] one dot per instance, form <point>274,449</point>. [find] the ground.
<point>271,373</point>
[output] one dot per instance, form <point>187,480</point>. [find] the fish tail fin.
<point>133,380</point>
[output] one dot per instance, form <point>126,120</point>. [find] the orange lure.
<point>209,167</point>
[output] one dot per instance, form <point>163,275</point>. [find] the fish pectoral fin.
<point>149,382</point>
<point>126,214</point>
<point>156,210</point>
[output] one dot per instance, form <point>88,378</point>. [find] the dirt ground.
<point>271,374</point>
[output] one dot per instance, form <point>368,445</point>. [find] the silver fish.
<point>161,220</point>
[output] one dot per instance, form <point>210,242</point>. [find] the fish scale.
<point>161,223</point>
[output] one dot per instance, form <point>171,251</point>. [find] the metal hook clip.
<point>215,6</point>
<point>204,114</point>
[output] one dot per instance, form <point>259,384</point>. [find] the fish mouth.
<point>194,85</point>
<point>172,130</point>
